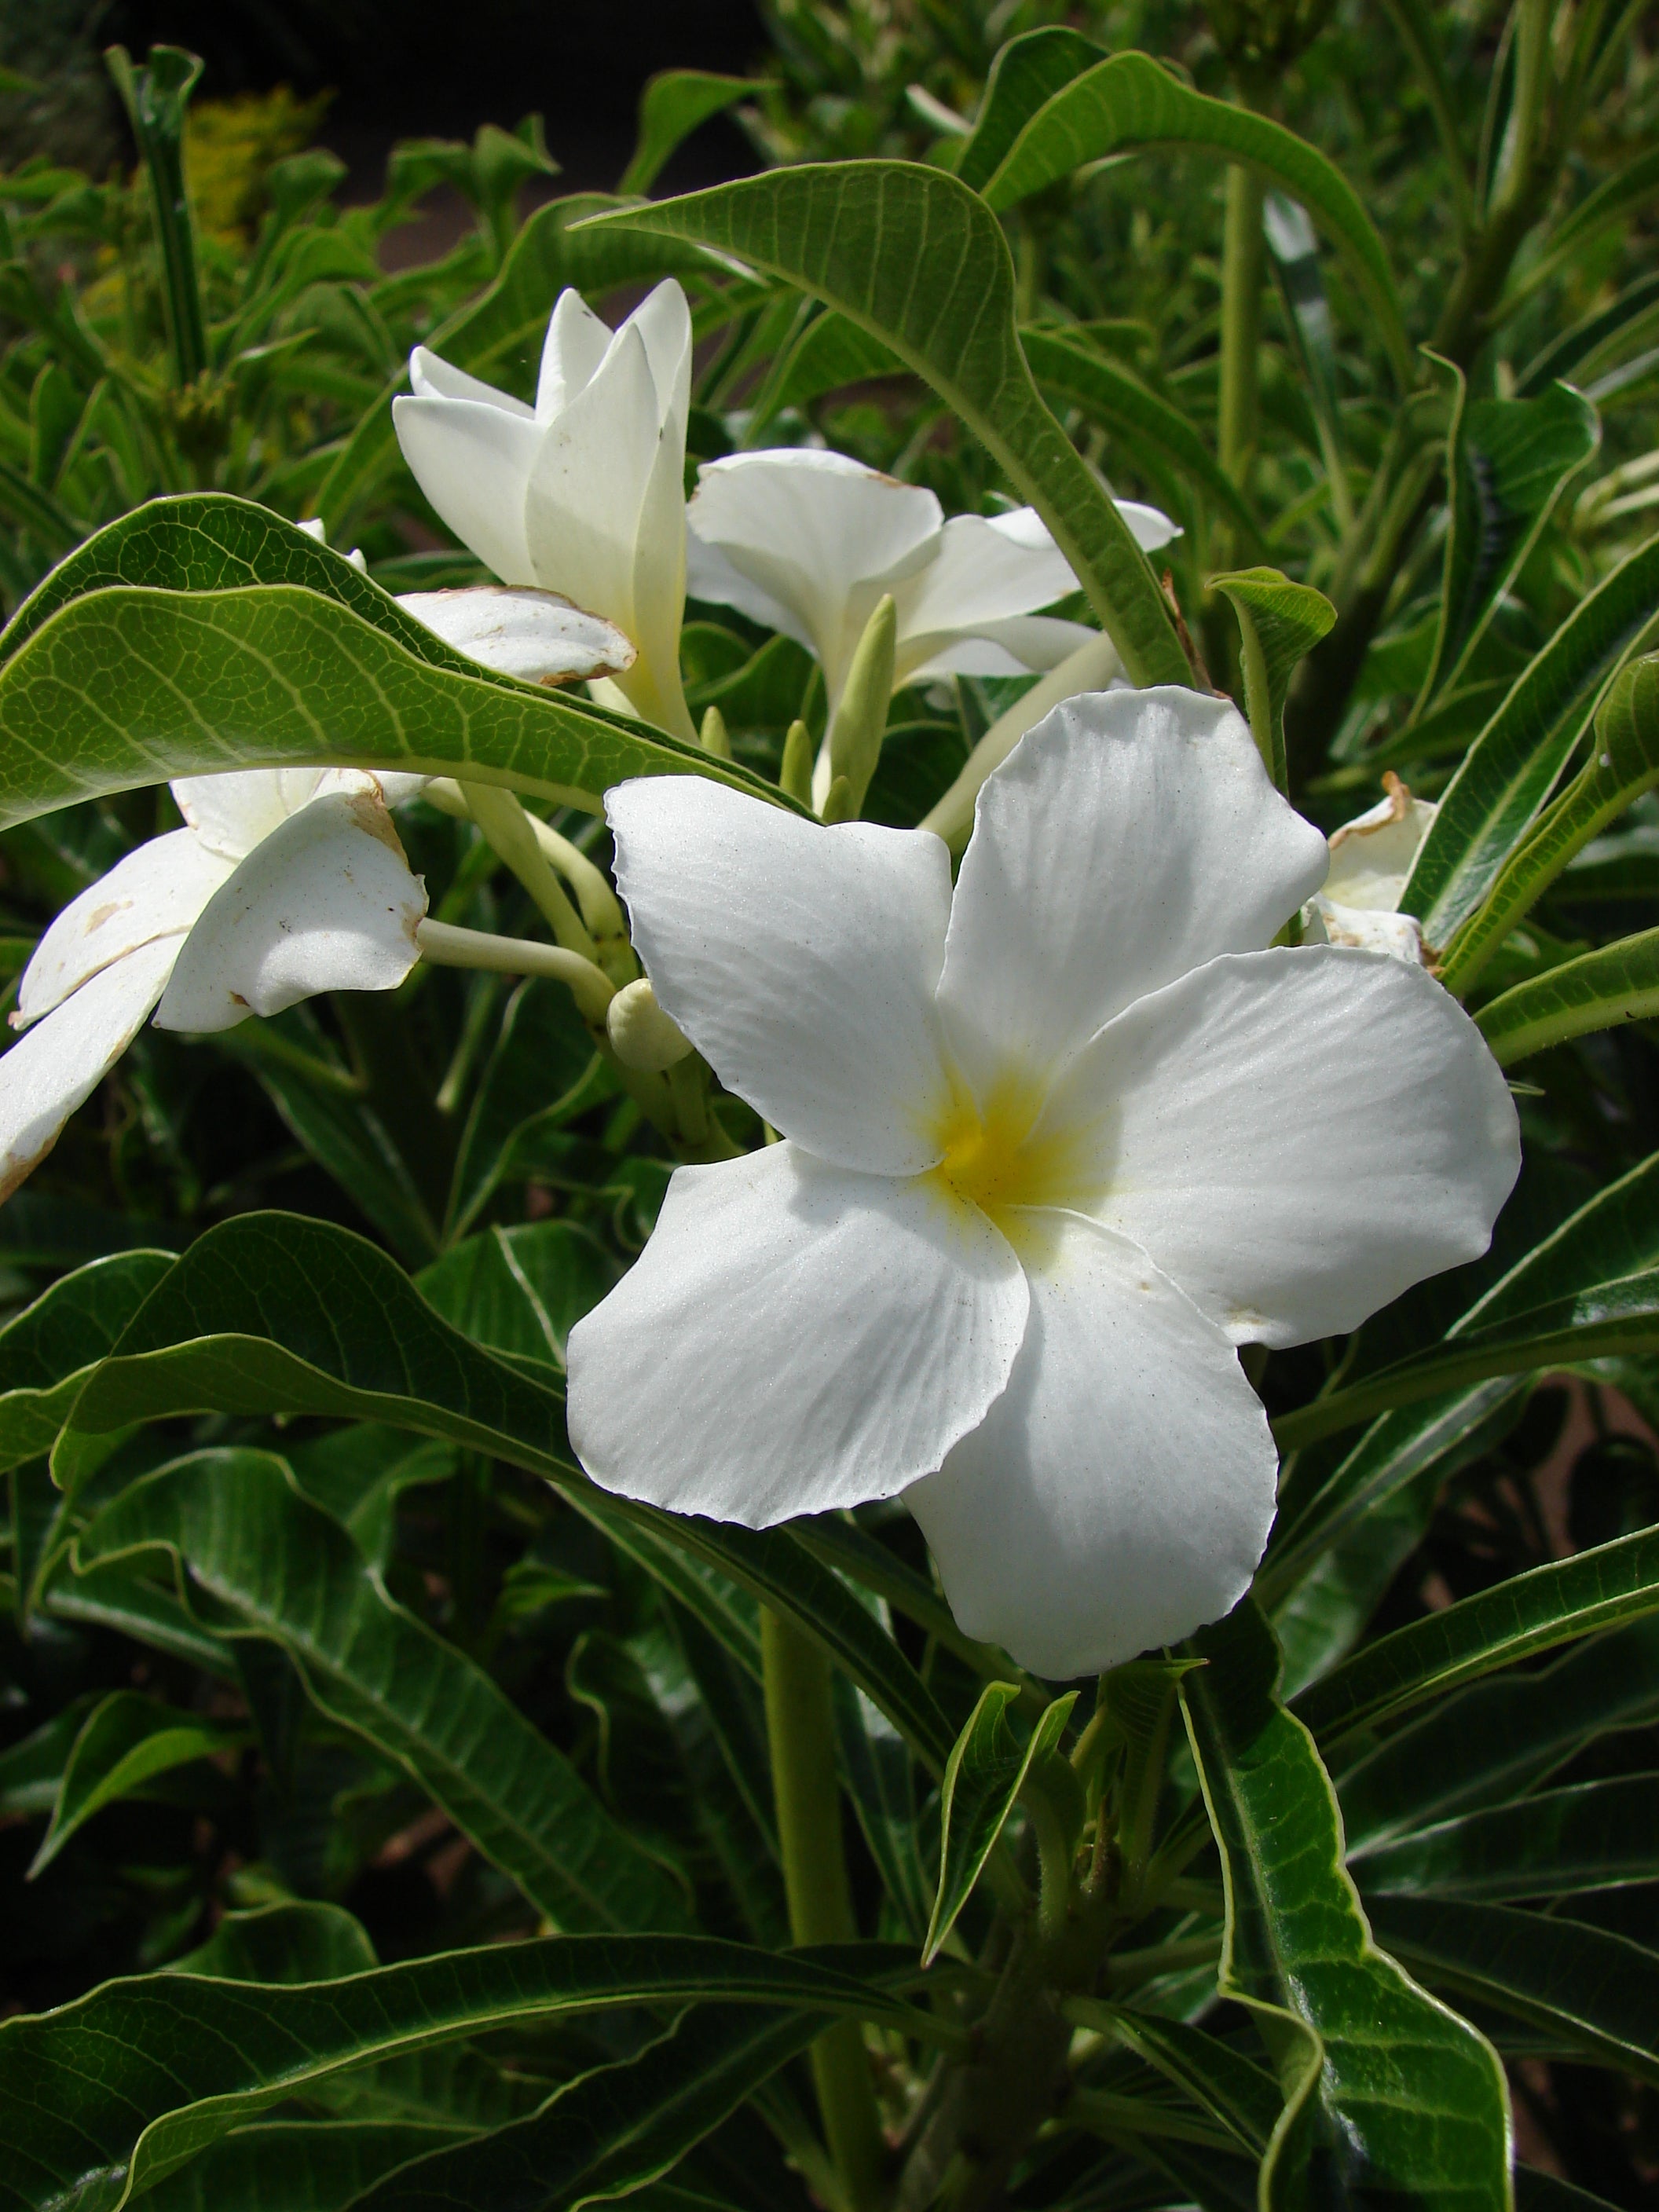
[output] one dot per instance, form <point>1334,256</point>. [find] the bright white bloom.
<point>807,542</point>
<point>1371,860</point>
<point>582,494</point>
<point>1054,1145</point>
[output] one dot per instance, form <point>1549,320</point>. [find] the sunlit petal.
<point>156,892</point>
<point>473,462</point>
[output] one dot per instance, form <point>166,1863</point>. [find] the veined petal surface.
<point>473,461</point>
<point>1295,1136</point>
<point>793,1339</point>
<point>1127,838</point>
<point>800,960</point>
<point>57,1066</point>
<point>156,892</point>
<point>1119,1491</point>
<point>326,902</point>
<point>535,635</point>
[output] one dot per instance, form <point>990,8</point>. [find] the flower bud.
<point>861,721</point>
<point>713,734</point>
<point>796,775</point>
<point>641,1035</point>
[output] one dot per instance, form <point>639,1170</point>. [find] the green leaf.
<point>303,2166</point>
<point>1613,199</point>
<point>1498,1738</point>
<point>1397,2092</point>
<point>880,1779</point>
<point>498,337</point>
<point>126,1740</point>
<point>542,1069</point>
<point>1584,347</point>
<point>32,1770</point>
<point>521,1291</point>
<point>1623,763</point>
<point>913,257</point>
<point>119,1598</point>
<point>1598,991</point>
<point>108,2094</point>
<point>1598,1993</point>
<point>1218,2080</point>
<point>1107,393</point>
<point>1596,1835</point>
<point>1130,103</point>
<point>281,1568</point>
<point>617,2128</point>
<point>1530,1613</point>
<point>982,1780</point>
<point>1508,462</point>
<point>1279,623</point>
<point>293,1941</point>
<point>1025,73</point>
<point>1510,770</point>
<point>49,1349</point>
<point>672,107</point>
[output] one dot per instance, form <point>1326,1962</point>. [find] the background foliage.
<point>317,1657</point>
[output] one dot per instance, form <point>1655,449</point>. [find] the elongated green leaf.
<point>1497,1738</point>
<point>672,107</point>
<point>1589,1288</point>
<point>105,2096</point>
<point>119,1598</point>
<point>1027,72</point>
<point>1581,349</point>
<point>1613,199</point>
<point>983,1778</point>
<point>1217,2079</point>
<point>32,1770</point>
<point>1279,622</point>
<point>829,353</point>
<point>304,2166</point>
<point>288,1573</point>
<point>1110,395</point>
<point>47,1352</point>
<point>1508,462</point>
<point>880,1779</point>
<point>131,685</point>
<point>125,1742</point>
<point>1534,1612</point>
<point>1598,991</point>
<point>498,336</point>
<point>1598,1993</point>
<point>293,1941</point>
<point>543,1069</point>
<point>1130,103</point>
<point>1598,1835</point>
<point>521,1291</point>
<point>616,2129</point>
<point>913,257</point>
<point>1512,766</point>
<point>1624,761</point>
<point>1399,2093</point>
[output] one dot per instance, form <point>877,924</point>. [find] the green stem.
<point>1241,320</point>
<point>800,1731</point>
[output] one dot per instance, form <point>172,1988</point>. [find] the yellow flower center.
<point>994,1159</point>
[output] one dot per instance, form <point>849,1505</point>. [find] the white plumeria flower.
<point>807,542</point>
<point>584,493</point>
<point>1371,860</point>
<point>285,882</point>
<point>1054,1146</point>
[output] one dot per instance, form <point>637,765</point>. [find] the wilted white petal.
<point>431,377</point>
<point>156,892</point>
<point>57,1064</point>
<point>1118,1493</point>
<point>793,1338</point>
<point>473,462</point>
<point>1128,837</point>
<point>1294,1136</point>
<point>800,960</point>
<point>1399,935</point>
<point>1372,856</point>
<point>535,635</point>
<point>326,902</point>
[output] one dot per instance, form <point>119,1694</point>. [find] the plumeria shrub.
<point>833,1270</point>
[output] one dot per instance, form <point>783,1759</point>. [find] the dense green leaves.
<point>1396,2090</point>
<point>1595,1835</point>
<point>911,255</point>
<point>125,1742</point>
<point>982,1780</point>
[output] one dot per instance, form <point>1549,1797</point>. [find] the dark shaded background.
<point>439,68</point>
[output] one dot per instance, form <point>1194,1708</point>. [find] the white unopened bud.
<point>641,1035</point>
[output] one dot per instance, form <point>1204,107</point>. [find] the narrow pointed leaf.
<point>1403,2095</point>
<point>988,1765</point>
<point>672,107</point>
<point>916,259</point>
<point>1279,622</point>
<point>1129,102</point>
<point>1597,1835</point>
<point>1600,990</point>
<point>1026,74</point>
<point>304,2166</point>
<point>125,1742</point>
<point>1235,2091</point>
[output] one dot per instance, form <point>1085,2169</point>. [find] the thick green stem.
<point>1241,320</point>
<point>801,1730</point>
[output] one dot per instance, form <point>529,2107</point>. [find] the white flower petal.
<point>234,812</point>
<point>59,1063</point>
<point>1013,647</point>
<point>325,903</point>
<point>663,319</point>
<point>577,341</point>
<point>982,573</point>
<point>1296,1137</point>
<point>1150,527</point>
<point>473,462</point>
<point>157,891</point>
<point>535,635</point>
<point>1325,922</point>
<point>1372,855</point>
<point>802,961</point>
<point>431,377</point>
<point>1119,1491</point>
<point>588,481</point>
<point>658,591</point>
<point>1128,837</point>
<point>711,575</point>
<point>793,1338</point>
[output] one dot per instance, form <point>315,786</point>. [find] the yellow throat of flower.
<point>994,1158</point>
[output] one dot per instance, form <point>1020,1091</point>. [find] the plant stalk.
<point>1242,263</point>
<point>800,1731</point>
